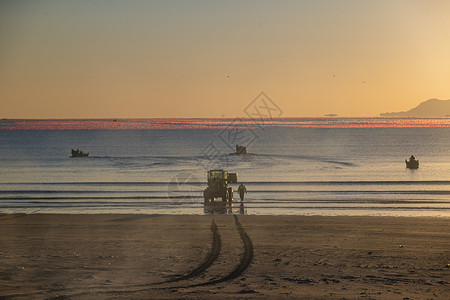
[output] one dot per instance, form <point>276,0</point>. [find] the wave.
<point>167,198</point>
<point>112,206</point>
<point>320,182</point>
<point>67,192</point>
<point>99,197</point>
<point>179,157</point>
<point>165,160</point>
<point>401,192</point>
<point>347,200</point>
<point>363,208</point>
<point>98,204</point>
<point>303,157</point>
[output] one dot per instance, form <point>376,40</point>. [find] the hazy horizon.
<point>211,59</point>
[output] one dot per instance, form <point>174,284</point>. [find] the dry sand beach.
<point>171,257</point>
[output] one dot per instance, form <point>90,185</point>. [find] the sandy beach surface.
<point>225,256</point>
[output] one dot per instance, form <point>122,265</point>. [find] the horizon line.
<point>227,118</point>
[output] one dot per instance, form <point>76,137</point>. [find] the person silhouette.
<point>242,190</point>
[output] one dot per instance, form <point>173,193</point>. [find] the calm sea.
<point>330,166</point>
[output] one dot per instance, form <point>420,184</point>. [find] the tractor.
<point>218,181</point>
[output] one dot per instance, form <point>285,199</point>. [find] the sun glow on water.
<point>188,123</point>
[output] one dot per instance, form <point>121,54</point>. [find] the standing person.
<point>242,190</point>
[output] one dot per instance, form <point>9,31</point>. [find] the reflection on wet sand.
<point>225,209</point>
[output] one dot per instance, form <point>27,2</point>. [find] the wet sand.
<point>171,257</point>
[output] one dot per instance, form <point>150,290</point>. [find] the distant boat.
<point>78,153</point>
<point>241,150</point>
<point>412,163</point>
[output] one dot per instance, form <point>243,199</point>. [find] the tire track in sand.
<point>246,260</point>
<point>207,262</point>
<point>212,256</point>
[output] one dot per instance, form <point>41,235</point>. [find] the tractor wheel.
<point>225,196</point>
<point>206,197</point>
<point>230,194</point>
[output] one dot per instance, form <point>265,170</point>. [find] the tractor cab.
<point>221,176</point>
<point>217,175</point>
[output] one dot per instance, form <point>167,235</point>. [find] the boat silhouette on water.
<point>241,150</point>
<point>78,153</point>
<point>412,163</point>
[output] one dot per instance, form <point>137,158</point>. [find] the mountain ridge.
<point>429,108</point>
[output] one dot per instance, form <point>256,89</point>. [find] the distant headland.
<point>429,108</point>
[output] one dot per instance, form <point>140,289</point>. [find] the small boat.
<point>78,153</point>
<point>412,163</point>
<point>241,150</point>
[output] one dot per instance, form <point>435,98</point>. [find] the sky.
<point>162,59</point>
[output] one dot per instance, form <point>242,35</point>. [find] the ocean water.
<point>294,167</point>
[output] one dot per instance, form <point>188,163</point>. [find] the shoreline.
<point>200,256</point>
<point>235,212</point>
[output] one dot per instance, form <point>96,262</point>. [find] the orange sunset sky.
<point>145,59</point>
